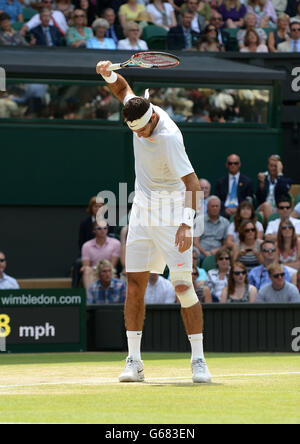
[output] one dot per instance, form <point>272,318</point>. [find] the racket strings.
<point>159,60</point>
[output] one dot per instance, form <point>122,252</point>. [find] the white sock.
<point>134,344</point>
<point>197,346</point>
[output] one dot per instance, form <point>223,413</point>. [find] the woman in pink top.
<point>252,43</point>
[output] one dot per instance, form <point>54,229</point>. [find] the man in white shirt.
<point>161,223</point>
<point>57,19</point>
<point>6,282</point>
<point>159,290</point>
<point>284,210</point>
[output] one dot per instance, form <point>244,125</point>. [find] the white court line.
<point>114,381</point>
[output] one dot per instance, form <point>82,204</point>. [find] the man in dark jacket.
<point>272,184</point>
<point>223,36</point>
<point>46,34</point>
<point>233,188</point>
<point>182,36</point>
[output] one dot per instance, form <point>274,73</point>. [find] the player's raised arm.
<point>117,84</point>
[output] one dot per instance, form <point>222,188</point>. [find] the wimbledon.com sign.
<point>52,320</point>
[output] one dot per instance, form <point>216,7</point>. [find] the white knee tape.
<point>187,298</point>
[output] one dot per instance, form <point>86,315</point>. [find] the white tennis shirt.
<point>160,161</point>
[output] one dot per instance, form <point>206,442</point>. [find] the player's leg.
<point>134,321</point>
<point>192,315</point>
<point>180,265</point>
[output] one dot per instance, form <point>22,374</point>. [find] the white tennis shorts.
<point>152,247</point>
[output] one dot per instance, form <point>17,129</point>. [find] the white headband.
<point>142,121</point>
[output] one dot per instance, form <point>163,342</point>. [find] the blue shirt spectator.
<point>95,43</point>
<point>8,283</point>
<point>114,294</point>
<point>106,289</point>
<point>259,276</point>
<point>13,8</point>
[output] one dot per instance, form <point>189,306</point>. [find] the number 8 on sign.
<point>4,326</point>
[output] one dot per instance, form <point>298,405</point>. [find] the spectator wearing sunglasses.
<point>272,184</point>
<point>234,187</point>
<point>278,291</point>
<point>292,45</point>
<point>6,282</point>
<point>288,245</point>
<point>218,277</point>
<point>78,33</point>
<point>247,249</point>
<point>223,36</point>
<point>245,211</point>
<point>96,250</point>
<point>284,209</point>
<point>259,276</point>
<point>238,288</point>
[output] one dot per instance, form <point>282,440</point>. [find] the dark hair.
<point>231,281</point>
<point>135,108</point>
<point>222,251</point>
<point>246,39</point>
<point>267,242</point>
<point>280,240</point>
<point>242,233</point>
<point>4,16</point>
<point>283,198</point>
<point>238,220</point>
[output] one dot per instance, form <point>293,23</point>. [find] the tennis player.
<point>160,229</point>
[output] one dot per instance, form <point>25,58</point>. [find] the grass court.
<point>84,388</point>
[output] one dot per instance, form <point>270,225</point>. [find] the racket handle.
<point>114,67</point>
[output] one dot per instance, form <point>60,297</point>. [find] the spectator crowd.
<point>248,250</point>
<point>196,25</point>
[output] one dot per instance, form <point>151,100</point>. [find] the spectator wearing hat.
<point>8,36</point>
<point>6,282</point>
<point>132,33</point>
<point>13,9</point>
<point>78,33</point>
<point>99,41</point>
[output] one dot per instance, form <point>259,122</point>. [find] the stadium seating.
<point>297,199</point>
<point>209,263</point>
<point>273,217</point>
<point>17,25</point>
<point>28,13</point>
<point>155,36</point>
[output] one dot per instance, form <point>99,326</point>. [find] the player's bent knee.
<point>184,289</point>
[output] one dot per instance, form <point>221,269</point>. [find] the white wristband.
<point>188,217</point>
<point>112,78</point>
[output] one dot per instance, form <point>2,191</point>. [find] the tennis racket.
<point>149,59</point>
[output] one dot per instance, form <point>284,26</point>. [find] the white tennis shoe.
<point>133,371</point>
<point>201,373</point>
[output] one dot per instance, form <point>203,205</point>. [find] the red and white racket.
<point>149,59</point>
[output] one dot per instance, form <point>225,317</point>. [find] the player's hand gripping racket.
<point>149,59</point>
